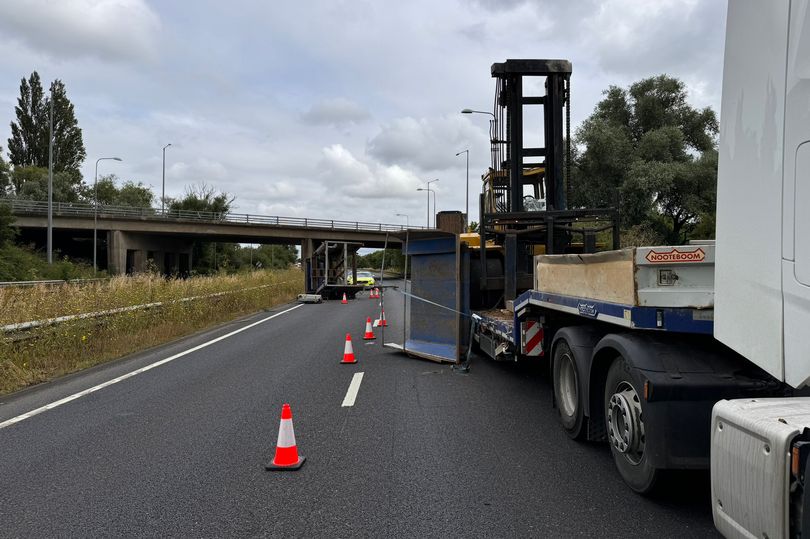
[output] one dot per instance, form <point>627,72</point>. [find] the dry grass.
<point>45,353</point>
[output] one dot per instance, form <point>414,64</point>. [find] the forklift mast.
<point>510,154</point>
<point>522,224</point>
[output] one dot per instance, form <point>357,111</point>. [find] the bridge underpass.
<point>129,237</point>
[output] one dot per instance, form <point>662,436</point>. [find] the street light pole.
<point>428,189</point>
<point>470,111</point>
<point>493,124</point>
<point>467,199</point>
<point>95,211</point>
<point>434,201</point>
<point>407,224</point>
<point>428,204</point>
<point>163,193</point>
<point>50,183</point>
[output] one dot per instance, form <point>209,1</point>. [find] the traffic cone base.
<point>348,352</point>
<point>278,468</point>
<point>344,301</point>
<point>369,336</point>
<point>287,457</point>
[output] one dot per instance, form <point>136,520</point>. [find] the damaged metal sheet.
<point>435,306</point>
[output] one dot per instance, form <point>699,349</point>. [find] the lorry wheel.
<point>567,391</point>
<point>626,432</point>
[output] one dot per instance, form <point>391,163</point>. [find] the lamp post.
<point>470,111</point>
<point>163,193</point>
<point>95,210</point>
<point>49,240</point>
<point>467,198</point>
<point>429,190</point>
<point>407,225</point>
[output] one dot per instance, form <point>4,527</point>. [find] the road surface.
<point>179,449</point>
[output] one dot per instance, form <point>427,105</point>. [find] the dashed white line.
<point>354,387</point>
<point>60,402</point>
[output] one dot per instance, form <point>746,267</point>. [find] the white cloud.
<point>426,143</point>
<point>364,178</point>
<point>197,172</point>
<point>336,111</point>
<point>105,29</point>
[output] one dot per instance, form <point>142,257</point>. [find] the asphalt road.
<point>179,450</point>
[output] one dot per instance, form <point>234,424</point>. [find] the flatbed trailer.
<point>626,335</point>
<point>665,289</point>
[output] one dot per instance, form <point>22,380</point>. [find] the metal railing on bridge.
<point>74,209</point>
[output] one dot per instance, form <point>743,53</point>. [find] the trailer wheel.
<point>626,431</point>
<point>567,392</point>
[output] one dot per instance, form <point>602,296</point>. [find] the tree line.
<point>646,151</point>
<point>25,176</point>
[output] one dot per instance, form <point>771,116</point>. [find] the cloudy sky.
<point>337,109</point>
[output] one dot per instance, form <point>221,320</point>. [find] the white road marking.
<point>123,377</point>
<point>354,387</point>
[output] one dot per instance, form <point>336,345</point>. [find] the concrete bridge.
<point>129,237</point>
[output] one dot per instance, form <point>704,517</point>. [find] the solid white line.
<point>121,378</point>
<point>354,387</point>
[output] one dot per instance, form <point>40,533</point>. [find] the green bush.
<point>23,264</point>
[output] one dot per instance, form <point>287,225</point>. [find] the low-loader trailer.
<point>679,357</point>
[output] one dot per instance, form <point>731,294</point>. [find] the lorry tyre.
<point>624,424</point>
<point>567,392</point>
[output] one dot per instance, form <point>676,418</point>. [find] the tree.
<point>208,257</point>
<point>68,146</point>
<point>28,145</point>
<point>394,260</point>
<point>31,183</point>
<point>276,256</point>
<point>5,183</point>
<point>202,198</point>
<point>131,194</point>
<point>648,152</point>
<point>7,231</point>
<point>29,135</point>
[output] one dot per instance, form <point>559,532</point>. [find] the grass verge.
<point>44,353</point>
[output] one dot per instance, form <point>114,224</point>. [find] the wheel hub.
<point>568,386</point>
<point>625,425</point>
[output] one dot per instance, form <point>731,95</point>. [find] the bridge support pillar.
<point>136,253</point>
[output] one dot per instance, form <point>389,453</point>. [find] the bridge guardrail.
<point>37,207</point>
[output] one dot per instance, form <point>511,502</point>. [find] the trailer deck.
<point>675,319</point>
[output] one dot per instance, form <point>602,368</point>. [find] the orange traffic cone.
<point>371,294</point>
<point>348,351</point>
<point>369,336</point>
<point>287,457</point>
<point>344,301</point>
<point>383,321</point>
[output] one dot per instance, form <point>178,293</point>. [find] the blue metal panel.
<point>436,245</point>
<point>679,320</point>
<point>434,326</point>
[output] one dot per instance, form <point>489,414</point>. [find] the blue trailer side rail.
<point>678,320</point>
